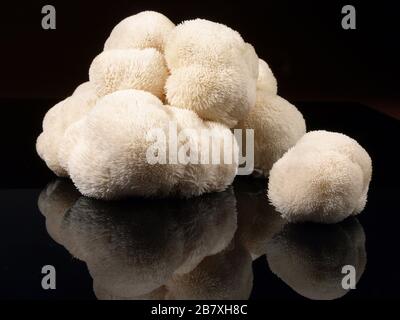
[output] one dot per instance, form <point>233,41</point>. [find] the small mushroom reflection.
<point>152,249</point>
<point>309,257</point>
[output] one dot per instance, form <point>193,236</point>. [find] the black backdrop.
<point>303,41</point>
<point>313,59</point>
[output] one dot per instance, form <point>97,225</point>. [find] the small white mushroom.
<point>323,178</point>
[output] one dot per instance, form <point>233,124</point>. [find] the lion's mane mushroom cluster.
<point>199,75</point>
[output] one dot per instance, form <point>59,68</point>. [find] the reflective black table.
<point>229,245</point>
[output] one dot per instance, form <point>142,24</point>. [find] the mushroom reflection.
<point>142,249</point>
<point>309,257</point>
<point>227,275</point>
<point>258,221</point>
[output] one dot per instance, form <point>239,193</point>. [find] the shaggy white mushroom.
<point>266,81</point>
<point>213,71</point>
<point>277,124</point>
<point>58,119</point>
<point>118,69</point>
<point>324,178</point>
<point>83,88</point>
<point>147,29</point>
<point>112,153</point>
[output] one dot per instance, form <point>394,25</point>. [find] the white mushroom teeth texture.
<point>119,69</point>
<point>147,29</point>
<point>58,119</point>
<point>213,71</point>
<point>277,126</point>
<point>106,153</point>
<point>324,178</point>
<point>266,81</point>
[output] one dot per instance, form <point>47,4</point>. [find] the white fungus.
<point>213,71</point>
<point>58,119</point>
<point>119,69</point>
<point>323,178</point>
<point>277,124</point>
<point>147,29</point>
<point>198,75</point>
<point>106,154</point>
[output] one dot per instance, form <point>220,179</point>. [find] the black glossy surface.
<point>124,243</point>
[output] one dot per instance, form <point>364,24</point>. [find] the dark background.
<point>330,73</point>
<point>303,41</point>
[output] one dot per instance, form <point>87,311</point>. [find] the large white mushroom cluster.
<point>200,75</point>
